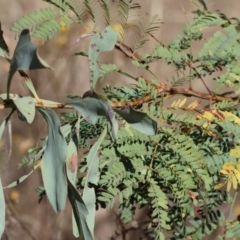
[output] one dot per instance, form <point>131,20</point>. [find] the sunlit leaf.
<point>27,107</point>
<point>229,184</point>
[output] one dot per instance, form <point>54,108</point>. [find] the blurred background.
<point>26,219</point>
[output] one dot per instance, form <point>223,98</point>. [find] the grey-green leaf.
<point>27,107</point>
<point>2,210</point>
<point>91,108</point>
<point>92,177</point>
<point>25,57</point>
<point>80,212</point>
<point>53,162</point>
<point>138,120</point>
<point>100,42</point>
<point>2,127</point>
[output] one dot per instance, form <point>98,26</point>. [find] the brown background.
<point>70,76</point>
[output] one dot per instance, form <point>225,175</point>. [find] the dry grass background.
<point>26,218</point>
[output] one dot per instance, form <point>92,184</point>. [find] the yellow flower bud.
<point>14,196</point>
<point>118,28</point>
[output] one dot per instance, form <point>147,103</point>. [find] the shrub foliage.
<point>179,160</point>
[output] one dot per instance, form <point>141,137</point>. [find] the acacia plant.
<point>179,160</point>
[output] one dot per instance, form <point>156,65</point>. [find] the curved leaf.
<point>26,107</point>
<point>100,42</point>
<point>25,57</point>
<point>80,213</point>
<point>91,108</point>
<point>53,162</point>
<point>139,120</point>
<point>92,177</point>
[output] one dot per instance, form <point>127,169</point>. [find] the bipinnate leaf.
<point>26,107</point>
<point>2,210</point>
<point>25,57</point>
<point>138,120</point>
<point>91,108</point>
<point>4,51</point>
<point>100,42</point>
<point>92,177</point>
<point>203,4</point>
<point>53,162</point>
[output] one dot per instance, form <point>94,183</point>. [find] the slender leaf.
<point>2,210</point>
<point>53,162</point>
<point>80,212</point>
<point>92,177</point>
<point>21,179</point>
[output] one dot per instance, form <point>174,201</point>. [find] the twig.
<point>84,35</point>
<point>156,39</point>
<point>161,89</point>
<point>199,76</point>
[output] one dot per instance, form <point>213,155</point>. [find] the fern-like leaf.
<point>45,23</point>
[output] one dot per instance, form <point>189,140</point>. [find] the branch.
<point>163,88</point>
